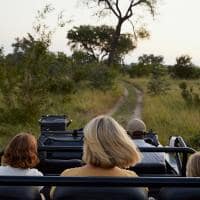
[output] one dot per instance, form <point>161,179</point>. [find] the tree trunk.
<point>114,43</point>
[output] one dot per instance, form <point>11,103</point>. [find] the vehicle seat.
<point>179,194</point>
<point>19,193</point>
<point>55,166</point>
<point>99,193</point>
<point>152,162</point>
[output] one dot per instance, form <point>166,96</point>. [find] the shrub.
<point>102,77</point>
<point>158,84</point>
<point>190,97</point>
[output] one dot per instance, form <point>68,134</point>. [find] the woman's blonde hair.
<point>106,144</point>
<point>193,165</point>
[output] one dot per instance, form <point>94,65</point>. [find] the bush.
<point>102,77</point>
<point>184,68</point>
<point>190,97</point>
<point>158,84</point>
<point>140,70</point>
<point>61,85</point>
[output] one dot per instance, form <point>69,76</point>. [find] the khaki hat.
<point>136,125</point>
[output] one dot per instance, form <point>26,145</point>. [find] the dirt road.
<point>137,112</point>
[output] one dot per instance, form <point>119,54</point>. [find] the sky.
<point>175,31</point>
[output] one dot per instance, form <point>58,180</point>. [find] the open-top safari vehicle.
<point>162,170</point>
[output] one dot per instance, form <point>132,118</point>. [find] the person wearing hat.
<point>136,129</point>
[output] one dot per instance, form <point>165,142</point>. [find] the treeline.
<point>182,69</point>
<point>153,67</point>
<point>31,73</point>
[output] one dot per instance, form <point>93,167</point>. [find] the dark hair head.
<point>21,152</point>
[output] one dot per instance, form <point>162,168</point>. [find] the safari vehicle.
<point>60,148</point>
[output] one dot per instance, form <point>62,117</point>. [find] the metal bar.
<point>142,149</point>
<point>62,132</point>
<point>184,163</point>
<point>99,181</point>
<point>181,141</point>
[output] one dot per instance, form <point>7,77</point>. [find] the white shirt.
<point>12,171</point>
<point>150,157</point>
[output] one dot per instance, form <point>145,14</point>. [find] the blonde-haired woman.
<point>107,150</point>
<point>193,165</point>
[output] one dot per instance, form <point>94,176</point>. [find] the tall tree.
<point>96,41</point>
<point>123,15</point>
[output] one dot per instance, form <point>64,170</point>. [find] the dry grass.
<point>80,107</point>
<point>169,115</point>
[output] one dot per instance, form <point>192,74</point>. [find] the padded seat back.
<point>56,166</point>
<point>149,168</point>
<point>100,193</point>
<point>179,194</point>
<point>19,193</point>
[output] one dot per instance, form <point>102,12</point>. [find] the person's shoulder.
<point>126,172</point>
<point>72,171</point>
<point>34,172</point>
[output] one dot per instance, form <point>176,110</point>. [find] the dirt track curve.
<point>137,112</point>
<point>138,105</point>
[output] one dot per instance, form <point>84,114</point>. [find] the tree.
<point>96,41</point>
<point>114,7</point>
<point>150,59</point>
<point>184,67</point>
<point>146,65</point>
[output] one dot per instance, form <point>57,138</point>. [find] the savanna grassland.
<point>80,107</point>
<point>168,114</point>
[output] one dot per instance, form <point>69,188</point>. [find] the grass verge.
<point>169,115</point>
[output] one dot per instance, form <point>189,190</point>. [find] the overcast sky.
<point>175,30</point>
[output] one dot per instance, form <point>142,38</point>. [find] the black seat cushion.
<point>56,166</point>
<point>99,193</point>
<point>179,194</point>
<point>19,193</point>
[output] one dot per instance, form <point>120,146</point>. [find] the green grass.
<point>169,115</point>
<point>80,107</point>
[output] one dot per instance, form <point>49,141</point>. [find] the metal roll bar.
<point>99,181</point>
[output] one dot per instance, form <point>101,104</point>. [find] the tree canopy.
<point>127,14</point>
<point>96,41</point>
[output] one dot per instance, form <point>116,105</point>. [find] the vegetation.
<point>95,41</point>
<point>122,15</point>
<point>158,83</point>
<point>169,115</point>
<point>191,97</point>
<point>35,81</point>
<point>184,68</point>
<point>125,111</point>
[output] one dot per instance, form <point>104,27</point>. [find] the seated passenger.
<point>193,165</point>
<point>20,157</point>
<point>107,150</point>
<point>136,129</point>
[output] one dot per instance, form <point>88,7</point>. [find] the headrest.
<point>56,166</point>
<point>99,193</point>
<point>19,193</point>
<point>179,193</point>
